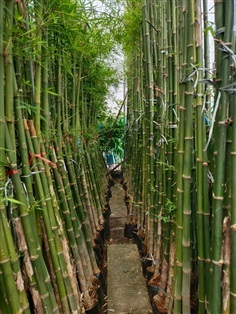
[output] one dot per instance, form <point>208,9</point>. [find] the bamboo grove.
<point>53,83</point>
<point>181,131</point>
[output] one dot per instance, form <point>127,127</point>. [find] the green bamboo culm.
<point>223,68</point>
<point>38,6</point>
<point>149,107</point>
<point>3,305</point>
<point>180,152</point>
<point>233,188</point>
<point>2,109</point>
<point>28,82</point>
<point>199,144</point>
<point>8,38</point>
<point>182,54</point>
<point>9,290</point>
<point>202,191</point>
<point>188,138</point>
<point>38,263</point>
<point>50,225</point>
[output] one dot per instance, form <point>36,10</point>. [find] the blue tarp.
<point>110,159</point>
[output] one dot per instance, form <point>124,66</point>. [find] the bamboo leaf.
<point>14,201</point>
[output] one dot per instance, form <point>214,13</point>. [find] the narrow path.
<point>118,216</point>
<point>127,292</point>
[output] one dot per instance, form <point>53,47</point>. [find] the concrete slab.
<point>117,204</point>
<point>118,216</point>
<point>127,292</point>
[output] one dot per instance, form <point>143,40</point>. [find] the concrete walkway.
<point>127,291</point>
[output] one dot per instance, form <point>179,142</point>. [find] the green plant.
<point>111,136</point>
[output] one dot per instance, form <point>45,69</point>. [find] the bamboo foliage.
<point>51,200</point>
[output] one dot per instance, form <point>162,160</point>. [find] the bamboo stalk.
<point>179,205</point>
<point>149,105</point>
<point>11,276</point>
<point>67,220</point>
<point>233,203</point>
<point>199,121</point>
<point>45,194</point>
<point>26,178</point>
<point>78,255</point>
<point>45,97</point>
<point>205,164</point>
<point>218,191</point>
<point>3,304</point>
<point>38,5</point>
<point>12,295</point>
<point>188,138</point>
<point>44,286</point>
<point>91,262</point>
<point>8,18</point>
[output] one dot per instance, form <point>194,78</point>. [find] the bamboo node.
<point>179,190</point>
<point>4,261</point>
<point>188,138</point>
<point>182,108</point>
<point>186,177</point>
<point>220,198</point>
<point>201,259</point>
<point>200,212</point>
<point>186,244</point>
<point>187,212</point>
<point>229,121</point>
<point>179,264</point>
<point>10,120</point>
<point>188,93</point>
<point>44,296</point>
<point>218,263</point>
<point>208,260</point>
<point>233,227</point>
<point>25,214</point>
<point>222,122</point>
<point>233,294</point>
<point>33,257</point>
